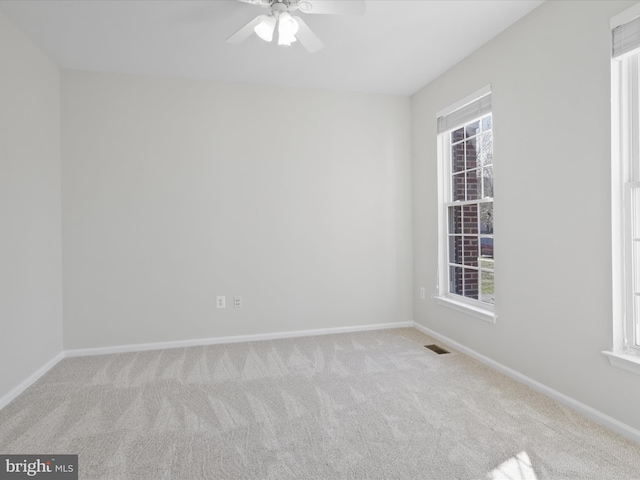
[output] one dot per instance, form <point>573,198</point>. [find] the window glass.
<point>469,210</point>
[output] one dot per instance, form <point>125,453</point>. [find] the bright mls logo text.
<point>30,468</point>
<point>58,467</point>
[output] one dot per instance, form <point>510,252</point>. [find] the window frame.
<point>625,177</point>
<point>476,308</point>
<point>631,237</point>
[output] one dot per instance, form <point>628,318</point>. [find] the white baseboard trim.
<point>140,347</point>
<point>589,412</point>
<point>30,380</point>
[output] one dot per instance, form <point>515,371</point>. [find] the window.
<point>632,257</point>
<point>625,188</point>
<point>466,246</point>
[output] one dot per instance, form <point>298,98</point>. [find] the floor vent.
<point>437,349</point>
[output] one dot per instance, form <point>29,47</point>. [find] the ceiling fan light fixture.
<point>287,29</point>
<point>266,27</point>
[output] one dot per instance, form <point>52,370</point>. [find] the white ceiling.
<point>397,47</point>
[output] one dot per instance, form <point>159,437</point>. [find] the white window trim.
<point>625,361</point>
<point>623,144</point>
<point>474,308</point>
<point>460,305</point>
<point>465,101</point>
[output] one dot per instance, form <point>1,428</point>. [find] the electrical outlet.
<point>221,301</point>
<point>237,302</point>
<point>423,293</point>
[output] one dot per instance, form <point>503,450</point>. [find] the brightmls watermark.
<point>45,467</point>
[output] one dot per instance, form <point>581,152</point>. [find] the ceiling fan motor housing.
<point>292,29</point>
<point>281,6</point>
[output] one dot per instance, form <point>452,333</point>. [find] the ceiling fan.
<point>292,28</point>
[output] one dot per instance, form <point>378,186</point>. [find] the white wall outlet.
<point>423,293</point>
<point>221,301</point>
<point>237,302</point>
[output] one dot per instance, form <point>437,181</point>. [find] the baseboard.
<point>83,352</point>
<point>589,412</point>
<point>9,397</point>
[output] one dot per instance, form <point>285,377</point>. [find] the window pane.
<point>486,286</point>
<point>487,182</point>
<point>470,219</point>
<point>485,153</point>
<point>457,135</point>
<point>471,251</point>
<point>457,187</point>
<point>456,280</point>
<point>635,208</point>
<point>457,157</point>
<point>486,218</point>
<point>455,249</point>
<point>486,264</point>
<point>636,266</point>
<point>472,129</point>
<point>486,123</point>
<point>473,184</point>
<point>472,153</point>
<point>471,283</point>
<point>486,251</point>
<point>636,318</point>
<point>455,219</point>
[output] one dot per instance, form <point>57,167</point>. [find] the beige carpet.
<point>356,406</point>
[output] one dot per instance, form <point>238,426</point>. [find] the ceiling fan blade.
<point>333,7</point>
<point>246,31</point>
<point>264,3</point>
<point>307,38</point>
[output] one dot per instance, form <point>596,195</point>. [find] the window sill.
<point>626,361</point>
<point>478,312</point>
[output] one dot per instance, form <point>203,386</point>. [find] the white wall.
<point>30,233</point>
<point>299,201</point>
<point>176,191</point>
<point>551,90</point>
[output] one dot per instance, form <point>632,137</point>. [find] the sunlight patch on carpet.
<point>516,468</point>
